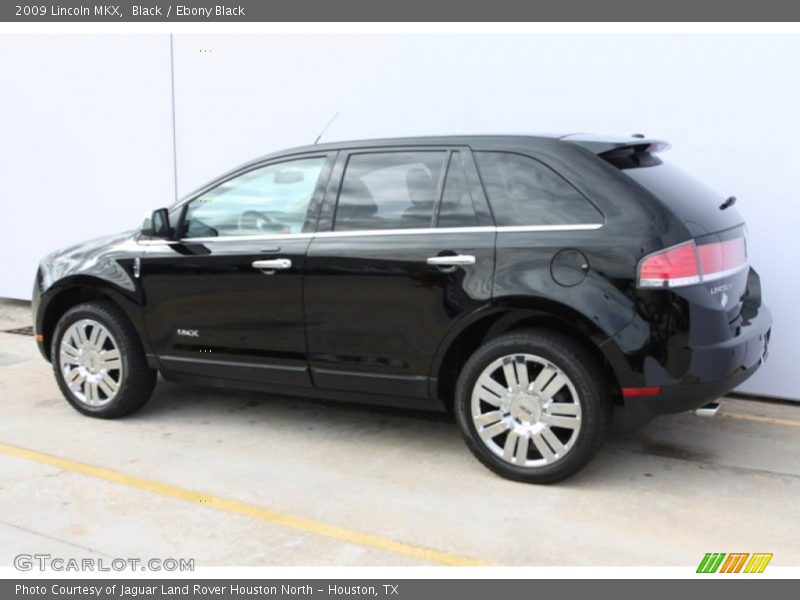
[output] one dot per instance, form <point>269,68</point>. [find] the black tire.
<point>587,377</point>
<point>137,379</point>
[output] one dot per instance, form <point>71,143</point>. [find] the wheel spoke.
<point>557,421</point>
<point>543,378</point>
<point>490,391</point>
<point>73,377</point>
<point>543,448</point>
<point>494,430</point>
<point>108,385</point>
<point>72,340</point>
<point>69,354</point>
<point>555,384</point>
<point>563,408</point>
<point>90,391</point>
<point>95,335</point>
<point>101,339</point>
<point>553,441</point>
<point>516,448</point>
<point>510,371</point>
<point>80,336</point>
<point>109,354</point>
<point>521,367</point>
<point>522,450</point>
<point>111,364</point>
<point>489,418</point>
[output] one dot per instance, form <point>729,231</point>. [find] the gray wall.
<point>86,123</point>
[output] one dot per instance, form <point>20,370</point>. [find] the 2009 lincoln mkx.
<point>527,283</point>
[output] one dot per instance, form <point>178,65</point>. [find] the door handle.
<point>272,264</point>
<point>453,260</point>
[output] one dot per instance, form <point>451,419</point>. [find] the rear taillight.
<point>690,263</point>
<point>672,267</point>
<point>720,259</point>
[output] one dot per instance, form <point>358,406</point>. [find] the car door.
<point>405,249</point>
<point>224,300</point>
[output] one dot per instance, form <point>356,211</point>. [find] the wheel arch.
<point>515,315</point>
<point>79,289</point>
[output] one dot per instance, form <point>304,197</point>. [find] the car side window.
<point>523,191</point>
<point>389,190</point>
<point>457,208</point>
<point>270,200</point>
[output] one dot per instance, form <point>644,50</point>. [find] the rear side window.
<point>691,200</point>
<point>389,190</point>
<point>523,191</point>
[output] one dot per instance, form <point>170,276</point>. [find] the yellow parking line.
<point>242,508</point>
<point>760,419</point>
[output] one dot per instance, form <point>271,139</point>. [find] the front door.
<point>408,251</point>
<point>226,299</point>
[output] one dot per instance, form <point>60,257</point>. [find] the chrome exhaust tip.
<point>707,410</point>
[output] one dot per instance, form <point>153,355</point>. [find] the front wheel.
<point>533,406</point>
<point>99,363</point>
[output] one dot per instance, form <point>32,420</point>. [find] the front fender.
<point>101,269</point>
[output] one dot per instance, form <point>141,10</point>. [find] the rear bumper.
<point>715,370</point>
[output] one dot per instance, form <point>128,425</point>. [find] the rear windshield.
<point>691,200</point>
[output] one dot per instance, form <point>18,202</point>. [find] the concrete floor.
<point>666,495</point>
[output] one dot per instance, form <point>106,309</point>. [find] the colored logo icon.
<point>734,562</point>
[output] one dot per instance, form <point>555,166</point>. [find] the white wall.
<point>727,103</point>
<point>85,143</point>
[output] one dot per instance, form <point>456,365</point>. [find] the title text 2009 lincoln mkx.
<point>527,283</point>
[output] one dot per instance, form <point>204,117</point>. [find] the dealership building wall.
<point>97,130</point>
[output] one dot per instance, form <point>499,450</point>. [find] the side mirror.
<point>157,225</point>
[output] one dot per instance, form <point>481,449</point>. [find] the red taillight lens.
<point>671,267</point>
<point>721,259</point>
<point>688,263</point>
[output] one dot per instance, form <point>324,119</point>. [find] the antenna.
<point>324,129</point>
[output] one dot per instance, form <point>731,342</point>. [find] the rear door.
<point>226,299</point>
<point>405,249</point>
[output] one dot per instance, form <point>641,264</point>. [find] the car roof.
<point>596,143</point>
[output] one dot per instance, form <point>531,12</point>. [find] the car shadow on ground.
<point>236,413</point>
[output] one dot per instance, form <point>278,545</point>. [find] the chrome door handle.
<point>272,264</point>
<point>451,261</point>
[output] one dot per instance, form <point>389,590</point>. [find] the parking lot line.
<point>760,419</point>
<point>242,508</point>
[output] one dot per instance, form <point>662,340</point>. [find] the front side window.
<point>523,191</point>
<point>389,190</point>
<point>271,200</point>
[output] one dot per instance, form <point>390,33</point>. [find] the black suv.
<point>527,283</point>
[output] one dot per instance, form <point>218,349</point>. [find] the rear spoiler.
<point>621,151</point>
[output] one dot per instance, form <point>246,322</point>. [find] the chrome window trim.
<point>377,232</point>
<point>411,231</point>
<point>527,228</point>
<point>247,238</point>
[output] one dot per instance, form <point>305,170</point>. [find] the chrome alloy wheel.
<point>90,362</point>
<point>526,410</point>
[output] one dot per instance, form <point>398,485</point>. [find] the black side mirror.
<point>158,225</point>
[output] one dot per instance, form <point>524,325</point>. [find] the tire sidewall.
<point>589,393</point>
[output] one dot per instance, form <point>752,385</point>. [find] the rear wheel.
<point>99,363</point>
<point>532,406</point>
